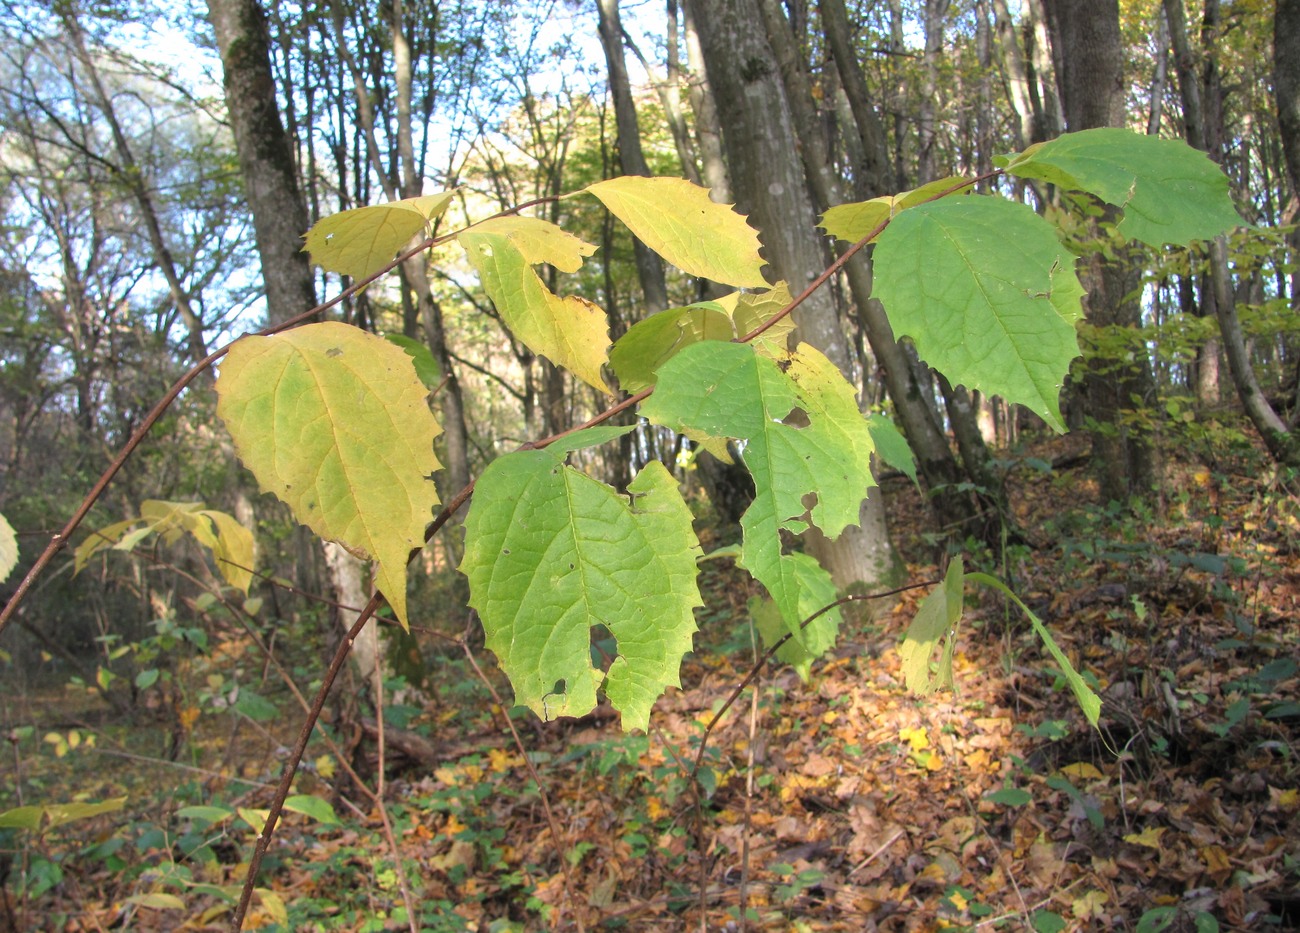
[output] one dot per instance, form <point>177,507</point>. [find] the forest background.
<point>161,164</point>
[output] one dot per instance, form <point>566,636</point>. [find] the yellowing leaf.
<point>571,332</point>
<point>540,241</point>
<point>852,222</point>
<point>1149,837</point>
<point>1083,771</point>
<point>273,904</point>
<point>360,242</point>
<point>254,817</point>
<point>231,543</point>
<point>8,549</point>
<point>335,422</point>
<point>678,221</point>
<point>157,901</point>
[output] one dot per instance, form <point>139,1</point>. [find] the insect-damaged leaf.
<point>551,553</point>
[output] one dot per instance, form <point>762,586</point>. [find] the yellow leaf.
<point>540,241</point>
<point>254,817</point>
<point>570,332</point>
<point>678,221</point>
<point>917,738</point>
<point>325,766</point>
<point>1082,770</point>
<point>273,904</point>
<point>1149,837</point>
<point>157,901</point>
<point>1092,904</point>
<point>360,242</point>
<point>336,423</point>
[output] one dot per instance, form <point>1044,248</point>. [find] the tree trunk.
<point>279,222</point>
<point>1286,85</point>
<point>1089,61</point>
<point>769,182</point>
<point>649,267</point>
<point>953,508</point>
<point>1282,442</point>
<point>266,159</point>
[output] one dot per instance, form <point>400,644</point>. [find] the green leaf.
<point>60,813</point>
<point>208,815</point>
<point>987,293</point>
<point>146,679</point>
<point>804,440</point>
<point>891,446</point>
<point>8,549</point>
<point>591,437</point>
<point>157,900</point>
<point>360,242</point>
<point>426,367</point>
<point>571,332</point>
<point>1089,702</point>
<point>816,591</point>
<point>314,807</point>
<point>853,222</point>
<point>335,423</point>
<point>648,344</point>
<point>1010,797</point>
<point>1046,921</point>
<point>550,553</point>
<point>936,618</point>
<point>678,221</point>
<point>28,817</point>
<point>256,707</point>
<point>1169,192</point>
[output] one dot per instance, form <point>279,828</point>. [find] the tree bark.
<point>266,160</point>
<point>1282,443</point>
<point>761,146</point>
<point>649,267</point>
<point>1089,61</point>
<point>953,509</point>
<point>1286,85</point>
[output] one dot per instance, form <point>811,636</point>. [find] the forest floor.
<point>840,803</point>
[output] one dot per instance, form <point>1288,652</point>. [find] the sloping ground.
<point>845,803</point>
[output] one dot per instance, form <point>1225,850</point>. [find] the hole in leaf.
<point>809,501</point>
<point>798,418</point>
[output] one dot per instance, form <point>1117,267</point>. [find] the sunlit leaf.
<point>550,553</point>
<point>678,221</point>
<point>805,444</point>
<point>360,242</point>
<point>570,332</point>
<point>853,222</point>
<point>996,319</point>
<point>1169,192</point>
<point>540,241</point>
<point>335,423</point>
<point>8,549</point>
<point>650,343</point>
